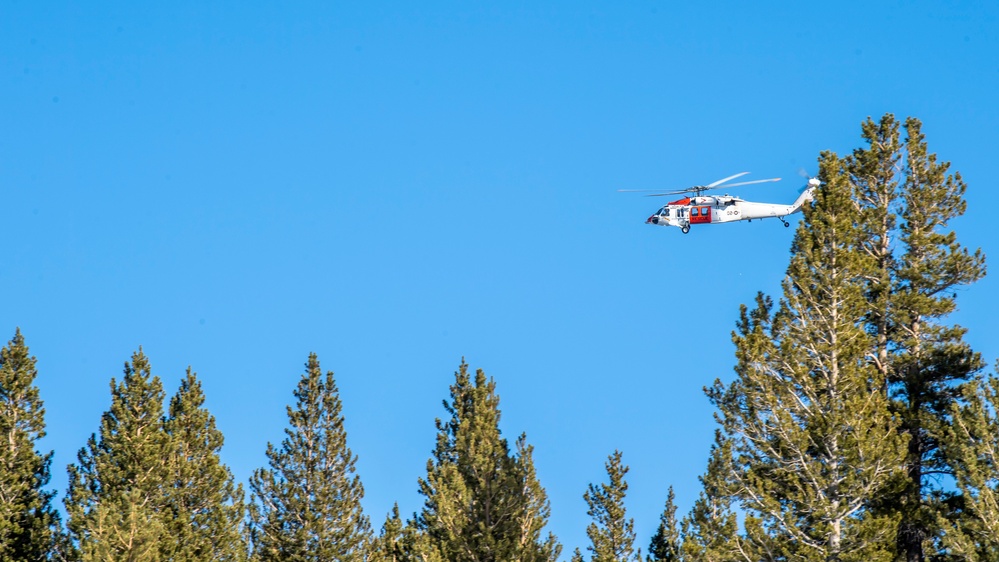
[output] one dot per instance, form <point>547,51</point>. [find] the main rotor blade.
<point>699,188</point>
<point>679,192</point>
<point>658,192</point>
<point>726,179</point>
<point>751,182</point>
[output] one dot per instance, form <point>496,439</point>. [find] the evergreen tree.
<point>665,544</point>
<point>812,436</point>
<point>905,200</point>
<point>403,542</point>
<point>709,533</point>
<point>203,508</point>
<point>932,361</point>
<point>116,491</point>
<point>307,505</point>
<point>874,177</point>
<point>972,442</point>
<point>483,504</point>
<point>29,524</point>
<point>611,533</point>
<point>389,547</point>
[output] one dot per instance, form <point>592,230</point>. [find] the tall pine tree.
<point>306,506</point>
<point>116,491</point>
<point>29,524</point>
<point>932,361</point>
<point>203,508</point>
<point>873,173</point>
<point>483,504</point>
<point>611,533</point>
<point>905,200</point>
<point>813,438</point>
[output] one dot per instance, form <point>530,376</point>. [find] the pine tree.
<point>116,491</point>
<point>709,533</point>
<point>812,436</point>
<point>29,524</point>
<point>402,542</point>
<point>931,360</point>
<point>972,442</point>
<point>483,504</point>
<point>611,533</point>
<point>388,547</point>
<point>307,505</point>
<point>905,200</point>
<point>203,507</point>
<point>873,175</point>
<point>665,544</point>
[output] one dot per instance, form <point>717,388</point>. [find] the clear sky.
<point>395,185</point>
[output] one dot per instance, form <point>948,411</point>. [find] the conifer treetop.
<point>306,505</point>
<point>29,523</point>
<point>611,533</point>
<point>483,502</point>
<point>117,489</point>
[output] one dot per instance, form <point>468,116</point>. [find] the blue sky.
<point>232,185</point>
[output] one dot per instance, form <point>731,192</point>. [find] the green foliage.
<point>611,533</point>
<point>402,542</point>
<point>872,173</point>
<point>709,533</point>
<point>483,504</point>
<point>665,544</point>
<point>203,508</point>
<point>845,391</point>
<point>151,487</point>
<point>117,489</point>
<point>905,200</point>
<point>972,444</point>
<point>812,438</point>
<point>29,524</point>
<point>307,505</point>
<point>389,546</point>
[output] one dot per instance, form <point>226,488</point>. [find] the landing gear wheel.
<point>684,229</point>
<point>786,224</point>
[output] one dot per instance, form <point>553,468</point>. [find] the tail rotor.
<point>812,181</point>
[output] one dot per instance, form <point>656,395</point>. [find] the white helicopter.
<point>714,209</point>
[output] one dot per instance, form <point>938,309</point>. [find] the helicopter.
<point>713,209</point>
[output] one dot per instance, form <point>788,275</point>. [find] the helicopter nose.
<point>652,220</point>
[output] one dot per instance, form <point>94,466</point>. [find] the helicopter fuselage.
<point>714,209</point>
